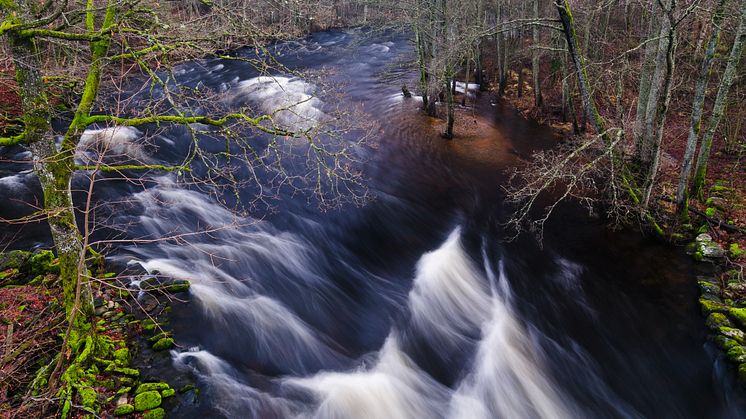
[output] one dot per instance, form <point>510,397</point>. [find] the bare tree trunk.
<point>466,84</point>
<point>661,111</point>
<point>682,191</point>
<point>450,114</point>
<point>520,80</point>
<point>646,75</point>
<point>644,153</point>
<point>535,58</point>
<point>719,107</point>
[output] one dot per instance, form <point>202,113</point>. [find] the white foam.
<point>449,297</point>
<point>290,101</point>
<point>392,388</point>
<point>111,142</point>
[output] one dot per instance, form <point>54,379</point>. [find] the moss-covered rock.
<point>163,344</point>
<point>179,285</point>
<point>147,400</point>
<point>742,374</point>
<point>717,320</point>
<point>88,397</point>
<point>736,354</point>
<point>124,409</point>
<point>707,247</point>
<point>151,387</point>
<point>158,413</point>
<point>122,357</point>
<point>735,334</point>
<point>708,286</point>
<point>15,259</point>
<point>724,342</point>
<point>738,315</point>
<point>43,262</point>
<point>709,306</point>
<point>169,392</point>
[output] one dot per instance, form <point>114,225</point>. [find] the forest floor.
<point>725,185</point>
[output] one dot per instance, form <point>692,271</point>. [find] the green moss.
<point>163,344</point>
<point>151,387</point>
<point>124,409</point>
<point>738,315</point>
<point>736,354</point>
<point>88,397</point>
<point>717,320</point>
<point>123,390</point>
<point>123,371</point>
<point>736,251</point>
<point>158,413</point>
<point>8,274</point>
<point>709,306</point>
<point>187,387</point>
<point>169,392</point>
<point>147,400</point>
<point>178,286</point>
<point>122,357</point>
<point>735,334</point>
<point>725,343</point>
<point>707,287</point>
<point>43,262</point>
<point>15,259</point>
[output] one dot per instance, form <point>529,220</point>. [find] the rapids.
<point>412,306</point>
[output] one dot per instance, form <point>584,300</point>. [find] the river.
<point>413,305</point>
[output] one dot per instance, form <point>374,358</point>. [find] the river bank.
<point>126,376</point>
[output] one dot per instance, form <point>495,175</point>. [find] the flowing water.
<point>412,306</point>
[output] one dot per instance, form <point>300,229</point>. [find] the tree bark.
<point>568,26</point>
<point>682,191</point>
<point>535,58</point>
<point>719,107</point>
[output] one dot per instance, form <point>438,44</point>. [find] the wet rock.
<point>717,320</point>
<point>708,286</point>
<point>724,342</point>
<point>148,302</point>
<point>179,285</point>
<point>710,306</point>
<point>708,248</point>
<point>734,334</point>
<point>147,400</point>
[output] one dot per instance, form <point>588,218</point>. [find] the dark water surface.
<point>413,306</point>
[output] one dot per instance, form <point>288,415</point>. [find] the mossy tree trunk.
<point>53,168</point>
<point>719,107</point>
<point>682,192</point>
<point>589,106</point>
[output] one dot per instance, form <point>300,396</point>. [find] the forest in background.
<point>647,95</point>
